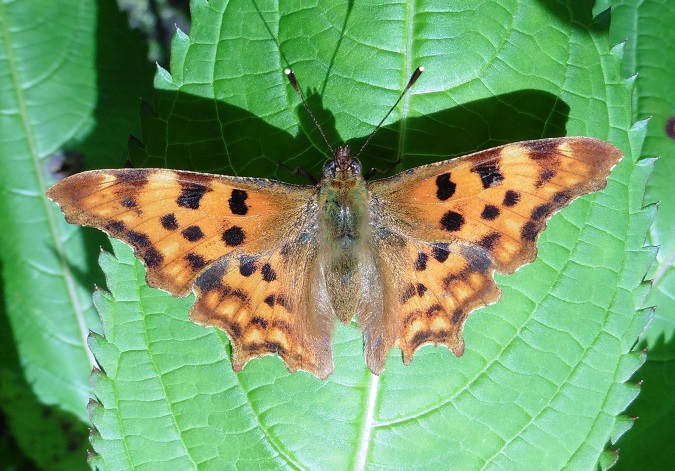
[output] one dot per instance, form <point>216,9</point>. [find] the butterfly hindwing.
<point>456,222</point>
<point>268,304</point>
<point>431,289</point>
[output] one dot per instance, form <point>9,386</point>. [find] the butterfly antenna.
<point>294,83</point>
<point>413,78</point>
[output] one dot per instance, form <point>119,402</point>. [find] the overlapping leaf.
<point>61,108</point>
<point>652,56</point>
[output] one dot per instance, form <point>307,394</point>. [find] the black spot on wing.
<point>225,291</point>
<point>138,239</point>
<point>544,176</point>
<point>239,294</point>
<point>237,202</point>
<point>410,318</point>
<point>268,273</point>
<point>247,265</point>
<point>152,257</point>
<point>541,211</point>
<point>279,300</point>
<point>257,320</point>
<point>421,337</point>
<point>411,290</point>
<point>282,325</point>
<point>440,252</point>
<point>421,262</point>
<point>191,195</point>
<point>407,293</point>
<point>196,261</point>
<point>115,227</point>
<point>235,329</point>
<point>561,197</point>
<point>271,346</point>
<point>234,236</point>
<point>445,187</point>
<point>490,174</point>
<point>490,212</point>
<point>433,309</point>
<point>429,336</point>
<point>452,221</point>
<point>488,242</point>
<point>449,280</point>
<point>511,198</point>
<point>192,233</point>
<point>266,346</point>
<point>169,222</point>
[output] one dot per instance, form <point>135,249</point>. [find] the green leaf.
<point>543,379</point>
<point>652,57</point>
<point>34,95</point>
<point>51,438</point>
<point>61,102</point>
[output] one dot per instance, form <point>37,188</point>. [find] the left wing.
<point>246,247</point>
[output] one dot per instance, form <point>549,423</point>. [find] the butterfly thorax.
<point>344,232</point>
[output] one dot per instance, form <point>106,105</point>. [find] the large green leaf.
<point>542,382</point>
<point>35,92</point>
<point>65,95</point>
<point>652,57</point>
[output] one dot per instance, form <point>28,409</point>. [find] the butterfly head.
<point>342,166</point>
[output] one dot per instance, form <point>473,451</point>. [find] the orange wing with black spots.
<point>245,246</point>
<point>441,230</point>
<point>268,303</point>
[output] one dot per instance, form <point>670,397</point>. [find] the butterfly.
<point>409,257</point>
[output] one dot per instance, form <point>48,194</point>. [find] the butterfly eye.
<point>330,168</point>
<point>355,167</point>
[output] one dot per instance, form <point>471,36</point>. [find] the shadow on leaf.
<point>202,134</point>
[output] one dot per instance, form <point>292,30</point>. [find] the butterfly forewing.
<point>179,222</point>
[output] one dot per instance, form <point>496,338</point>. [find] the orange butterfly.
<point>272,263</point>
